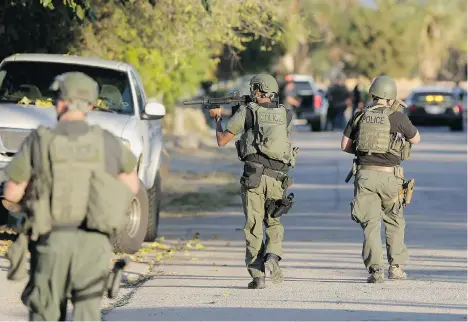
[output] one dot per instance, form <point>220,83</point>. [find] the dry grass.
<point>186,193</point>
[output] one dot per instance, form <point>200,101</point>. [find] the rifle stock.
<point>398,105</point>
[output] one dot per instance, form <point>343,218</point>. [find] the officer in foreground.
<point>78,182</point>
<point>266,150</point>
<point>381,138</point>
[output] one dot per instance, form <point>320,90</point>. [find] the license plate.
<point>434,109</point>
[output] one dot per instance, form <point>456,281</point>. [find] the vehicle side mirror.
<point>154,111</point>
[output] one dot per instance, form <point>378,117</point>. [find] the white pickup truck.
<point>27,102</point>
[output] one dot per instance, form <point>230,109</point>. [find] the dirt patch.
<point>187,193</point>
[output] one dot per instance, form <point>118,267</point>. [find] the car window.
<point>29,83</point>
<point>302,86</point>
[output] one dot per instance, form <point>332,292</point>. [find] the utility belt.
<point>406,189</point>
<point>251,179</point>
<point>70,228</point>
<point>253,172</point>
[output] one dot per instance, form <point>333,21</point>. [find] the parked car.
<point>435,106</point>
<point>130,116</point>
<point>313,107</point>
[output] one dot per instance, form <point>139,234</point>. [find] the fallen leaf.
<point>199,246</point>
<point>226,294</point>
<point>159,246</point>
<point>159,239</point>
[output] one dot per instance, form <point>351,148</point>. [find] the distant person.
<point>358,99</point>
<point>290,96</point>
<point>458,91</point>
<point>338,98</point>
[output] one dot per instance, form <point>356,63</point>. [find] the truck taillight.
<point>459,107</point>
<point>317,101</point>
<point>412,107</point>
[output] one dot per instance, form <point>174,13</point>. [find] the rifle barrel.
<point>194,102</point>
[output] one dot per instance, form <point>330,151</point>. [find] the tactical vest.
<point>268,136</point>
<point>374,134</point>
<point>71,187</point>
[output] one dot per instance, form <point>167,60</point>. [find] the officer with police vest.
<point>78,182</point>
<point>266,150</point>
<point>380,137</point>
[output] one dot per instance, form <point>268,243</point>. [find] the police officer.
<point>265,148</point>
<point>71,177</point>
<point>380,137</point>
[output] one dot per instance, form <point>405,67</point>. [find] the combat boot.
<point>272,265</point>
<point>257,283</point>
<point>376,276</point>
<point>395,272</point>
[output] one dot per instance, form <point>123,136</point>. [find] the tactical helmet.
<point>384,87</point>
<point>265,83</point>
<point>78,88</point>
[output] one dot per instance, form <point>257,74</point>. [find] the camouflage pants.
<point>254,209</point>
<point>74,264</point>
<point>376,198</point>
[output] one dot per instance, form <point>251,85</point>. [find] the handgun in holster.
<point>115,277</point>
<point>277,208</point>
<point>352,172</point>
<point>408,189</point>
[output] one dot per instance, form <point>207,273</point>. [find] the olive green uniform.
<point>69,260</point>
<point>377,185</point>
<point>253,200</point>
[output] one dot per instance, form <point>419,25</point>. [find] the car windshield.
<point>302,86</point>
<point>28,83</point>
<point>434,98</point>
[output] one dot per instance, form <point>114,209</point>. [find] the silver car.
<point>26,102</point>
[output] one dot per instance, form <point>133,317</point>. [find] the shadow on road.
<point>273,314</point>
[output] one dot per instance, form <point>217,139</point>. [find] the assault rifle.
<point>398,105</point>
<point>235,99</point>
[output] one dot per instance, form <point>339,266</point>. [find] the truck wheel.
<point>154,201</point>
<point>132,235</point>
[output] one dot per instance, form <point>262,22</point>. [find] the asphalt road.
<point>324,274</point>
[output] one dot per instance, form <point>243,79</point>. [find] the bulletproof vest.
<point>374,130</point>
<point>374,134</point>
<point>268,136</point>
<point>70,187</point>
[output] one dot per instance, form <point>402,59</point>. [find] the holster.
<point>252,175</point>
<point>407,190</point>
<point>352,172</point>
<point>115,277</point>
<point>277,208</point>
